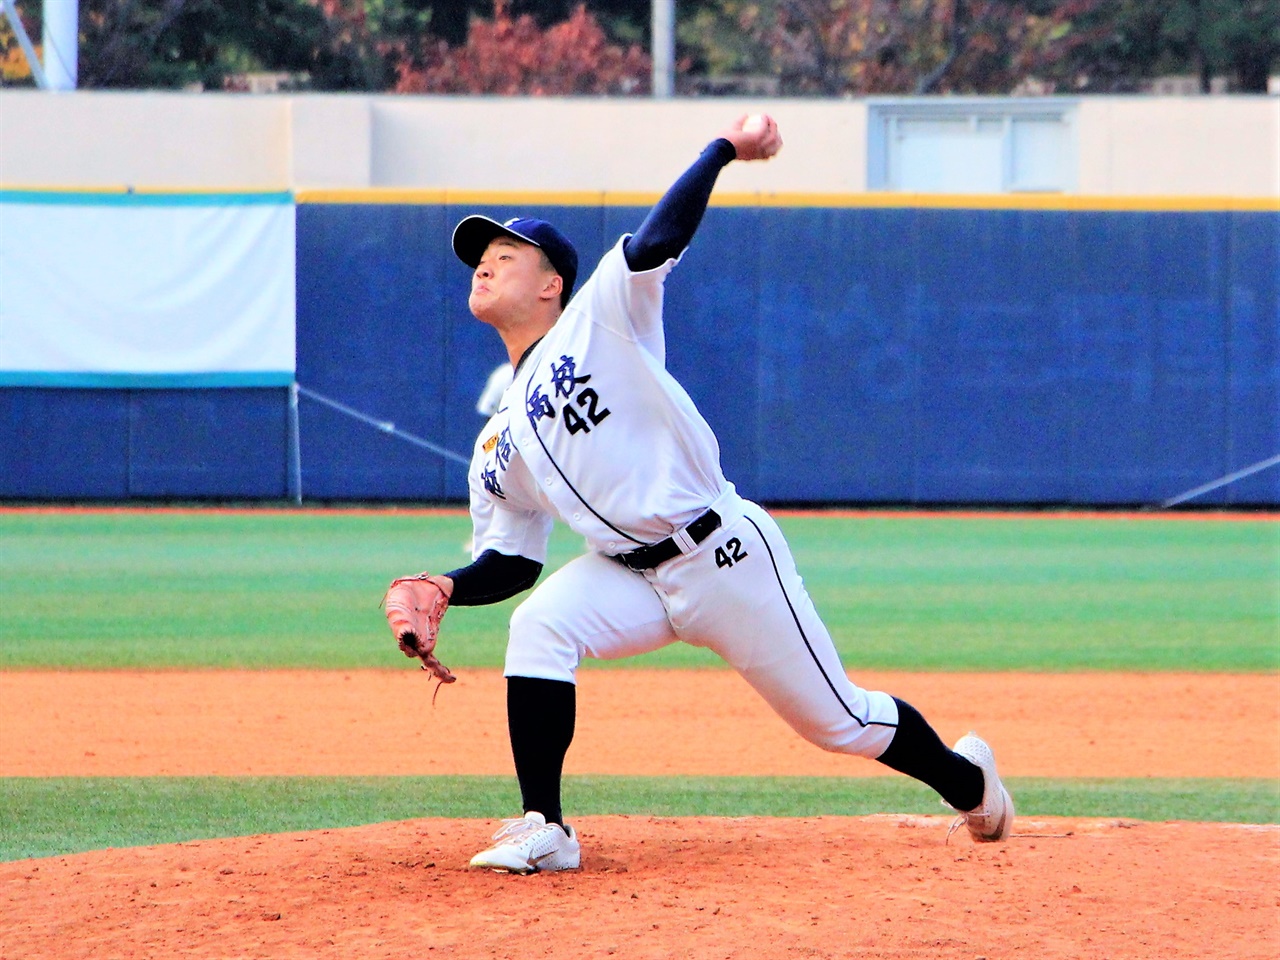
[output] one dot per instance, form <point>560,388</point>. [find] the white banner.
<point>138,290</point>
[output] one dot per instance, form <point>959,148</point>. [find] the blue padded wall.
<point>64,444</point>
<point>838,372</point>
<point>924,355</point>
<point>208,443</point>
<point>1150,335</point>
<point>118,444</point>
<point>372,334</point>
<point>993,414</point>
<point>1253,353</point>
<point>846,354</point>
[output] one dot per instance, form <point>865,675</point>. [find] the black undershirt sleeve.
<point>492,577</point>
<point>674,219</point>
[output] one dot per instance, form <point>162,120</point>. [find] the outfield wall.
<point>940,357</point>
<point>1086,349</point>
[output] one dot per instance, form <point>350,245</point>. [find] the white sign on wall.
<point>146,290</point>
<point>972,146</point>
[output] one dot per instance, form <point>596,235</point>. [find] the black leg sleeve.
<point>917,751</point>
<point>540,718</point>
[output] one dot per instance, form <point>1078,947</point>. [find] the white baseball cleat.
<point>991,820</point>
<point>529,844</point>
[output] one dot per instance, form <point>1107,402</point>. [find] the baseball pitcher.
<point>595,431</point>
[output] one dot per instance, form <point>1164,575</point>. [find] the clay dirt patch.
<point>630,722</point>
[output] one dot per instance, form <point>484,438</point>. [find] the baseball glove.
<point>415,606</point>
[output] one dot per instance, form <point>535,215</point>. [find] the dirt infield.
<point>639,722</point>
<point>695,888</point>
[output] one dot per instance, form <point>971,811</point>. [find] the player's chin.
<point>481,304</point>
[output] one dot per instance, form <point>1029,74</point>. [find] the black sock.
<point>917,751</point>
<point>540,717</point>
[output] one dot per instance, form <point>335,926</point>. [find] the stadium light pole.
<point>61,37</point>
<point>663,45</point>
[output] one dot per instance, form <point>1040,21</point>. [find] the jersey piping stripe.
<point>581,499</point>
<point>803,636</point>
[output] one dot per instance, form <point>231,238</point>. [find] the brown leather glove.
<point>415,606</point>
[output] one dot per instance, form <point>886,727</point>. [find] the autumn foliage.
<point>838,47</point>
<point>514,56</point>
<point>820,48</point>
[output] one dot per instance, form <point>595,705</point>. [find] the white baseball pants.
<point>738,594</point>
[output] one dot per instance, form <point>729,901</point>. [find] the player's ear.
<point>551,289</point>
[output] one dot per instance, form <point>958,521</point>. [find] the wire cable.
<point>1221,481</point>
<point>386,426</point>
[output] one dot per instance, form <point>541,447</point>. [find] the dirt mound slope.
<point>693,888</point>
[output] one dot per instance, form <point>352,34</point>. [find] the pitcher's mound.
<point>719,889</point>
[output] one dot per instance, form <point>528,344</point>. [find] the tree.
<point>624,20</point>
<point>1239,39</point>
<point>354,44</point>
<point>840,47</point>
<point>176,43</point>
<point>1246,41</point>
<point>14,68</point>
<point>512,55</point>
<point>789,47</point>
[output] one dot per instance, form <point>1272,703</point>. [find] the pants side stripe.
<point>800,629</point>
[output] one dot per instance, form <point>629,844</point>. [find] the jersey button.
<point>577,516</point>
<point>548,481</point>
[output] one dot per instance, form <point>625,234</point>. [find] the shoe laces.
<point>963,819</point>
<point>515,829</point>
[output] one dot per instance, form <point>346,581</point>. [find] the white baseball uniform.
<point>595,431</point>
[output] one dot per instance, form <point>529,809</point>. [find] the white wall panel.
<point>1127,146</point>
<point>145,139</point>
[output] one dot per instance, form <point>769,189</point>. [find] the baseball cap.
<point>475,233</point>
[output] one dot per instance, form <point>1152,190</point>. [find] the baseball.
<point>754,123</point>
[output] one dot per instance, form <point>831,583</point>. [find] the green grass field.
<point>207,589</point>
<point>48,817</point>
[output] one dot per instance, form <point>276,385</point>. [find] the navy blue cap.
<point>474,234</point>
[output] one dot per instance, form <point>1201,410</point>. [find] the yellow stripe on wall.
<point>1001,201</point>
<point>497,198</point>
<point>595,198</point>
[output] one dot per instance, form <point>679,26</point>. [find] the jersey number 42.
<point>730,553</point>
<point>589,400</point>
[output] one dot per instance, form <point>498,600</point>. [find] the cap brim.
<point>473,235</point>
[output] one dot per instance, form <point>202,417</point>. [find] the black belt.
<point>646,558</point>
